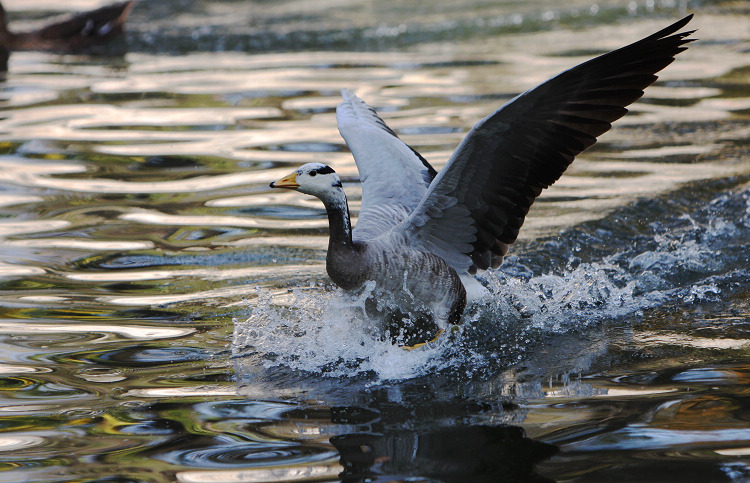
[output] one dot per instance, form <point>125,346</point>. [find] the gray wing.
<point>476,205</point>
<point>394,176</point>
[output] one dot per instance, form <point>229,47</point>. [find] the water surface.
<point>166,316</point>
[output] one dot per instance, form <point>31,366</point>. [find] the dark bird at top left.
<point>82,32</point>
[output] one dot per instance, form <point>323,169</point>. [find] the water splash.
<point>324,331</point>
<point>684,259</point>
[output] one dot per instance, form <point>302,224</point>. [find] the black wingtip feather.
<point>669,30</point>
<point>553,123</point>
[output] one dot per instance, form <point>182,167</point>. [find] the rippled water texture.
<point>166,316</point>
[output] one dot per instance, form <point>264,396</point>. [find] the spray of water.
<point>326,332</point>
<point>322,331</point>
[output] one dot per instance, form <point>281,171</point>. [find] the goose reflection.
<point>453,454</point>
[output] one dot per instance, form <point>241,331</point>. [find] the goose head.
<point>321,181</point>
<point>314,179</point>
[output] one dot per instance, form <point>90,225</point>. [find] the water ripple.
<point>138,181</point>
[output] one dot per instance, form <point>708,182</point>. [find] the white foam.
<point>323,331</point>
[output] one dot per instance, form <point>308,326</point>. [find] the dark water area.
<point>166,316</point>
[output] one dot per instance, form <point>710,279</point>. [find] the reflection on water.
<point>461,453</point>
<point>165,316</point>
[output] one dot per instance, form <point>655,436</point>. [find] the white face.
<point>313,179</point>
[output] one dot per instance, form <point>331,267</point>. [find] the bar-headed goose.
<point>421,234</point>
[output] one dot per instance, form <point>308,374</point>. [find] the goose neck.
<point>339,220</point>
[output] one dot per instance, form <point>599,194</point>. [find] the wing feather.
<point>476,205</point>
<point>394,176</point>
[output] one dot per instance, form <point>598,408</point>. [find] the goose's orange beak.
<point>289,182</point>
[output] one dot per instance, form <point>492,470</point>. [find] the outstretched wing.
<point>394,176</point>
<point>476,205</point>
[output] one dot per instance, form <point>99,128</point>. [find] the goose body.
<point>411,284</point>
<point>422,234</point>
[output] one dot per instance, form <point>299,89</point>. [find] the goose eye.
<point>313,173</point>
